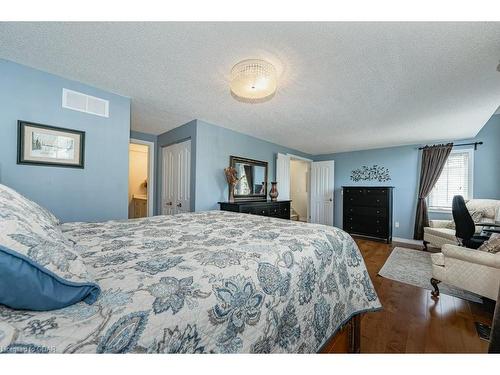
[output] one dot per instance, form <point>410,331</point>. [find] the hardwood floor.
<point>411,321</point>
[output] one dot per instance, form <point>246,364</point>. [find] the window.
<point>455,179</point>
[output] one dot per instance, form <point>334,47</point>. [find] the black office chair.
<point>464,225</point>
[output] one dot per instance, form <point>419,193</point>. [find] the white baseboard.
<point>407,240</point>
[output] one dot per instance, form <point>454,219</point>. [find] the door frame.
<point>151,172</point>
<point>309,162</point>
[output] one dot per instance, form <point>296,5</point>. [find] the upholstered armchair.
<point>473,270</point>
<point>442,232</point>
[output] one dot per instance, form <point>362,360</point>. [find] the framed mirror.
<point>252,175</point>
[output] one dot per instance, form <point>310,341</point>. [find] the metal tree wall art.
<point>373,173</point>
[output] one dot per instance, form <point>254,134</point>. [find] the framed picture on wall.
<point>49,145</point>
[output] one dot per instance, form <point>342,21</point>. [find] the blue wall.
<point>214,146</point>
<point>403,164</point>
<point>97,192</point>
<point>487,160</point>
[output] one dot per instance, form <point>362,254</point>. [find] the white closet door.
<point>176,176</point>
<point>283,176</point>
<point>322,191</point>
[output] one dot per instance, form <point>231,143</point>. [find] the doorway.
<point>319,187</point>
<point>140,179</point>
<point>176,177</point>
<point>299,189</point>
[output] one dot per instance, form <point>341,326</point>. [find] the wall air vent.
<point>78,101</point>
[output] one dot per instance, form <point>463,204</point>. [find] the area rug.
<point>414,267</point>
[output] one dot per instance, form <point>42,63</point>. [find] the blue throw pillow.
<point>40,269</point>
<point>26,285</point>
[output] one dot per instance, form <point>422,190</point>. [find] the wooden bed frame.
<point>347,340</point>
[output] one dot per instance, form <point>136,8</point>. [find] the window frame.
<point>470,151</point>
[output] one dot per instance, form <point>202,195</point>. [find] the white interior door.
<point>283,176</point>
<point>322,192</point>
<point>176,178</point>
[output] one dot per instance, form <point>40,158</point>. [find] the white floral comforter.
<point>204,282</point>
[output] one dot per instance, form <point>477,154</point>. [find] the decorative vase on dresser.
<point>367,211</point>
<point>273,194</point>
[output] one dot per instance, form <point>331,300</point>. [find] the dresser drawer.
<point>365,220</point>
<point>255,210</point>
<point>367,190</point>
<point>275,210</point>
<point>375,231</point>
<point>371,198</point>
<point>262,210</point>
<point>285,210</point>
<point>366,211</point>
<point>370,225</point>
<point>364,200</point>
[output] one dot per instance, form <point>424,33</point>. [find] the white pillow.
<point>34,209</point>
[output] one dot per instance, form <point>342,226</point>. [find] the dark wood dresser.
<point>367,211</point>
<point>279,209</point>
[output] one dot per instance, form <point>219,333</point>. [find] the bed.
<point>207,282</point>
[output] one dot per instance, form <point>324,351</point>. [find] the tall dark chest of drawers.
<point>367,211</point>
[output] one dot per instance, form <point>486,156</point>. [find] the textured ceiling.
<point>343,86</point>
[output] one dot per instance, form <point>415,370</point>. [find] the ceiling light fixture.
<point>253,81</point>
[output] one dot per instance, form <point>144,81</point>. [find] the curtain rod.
<point>463,144</point>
